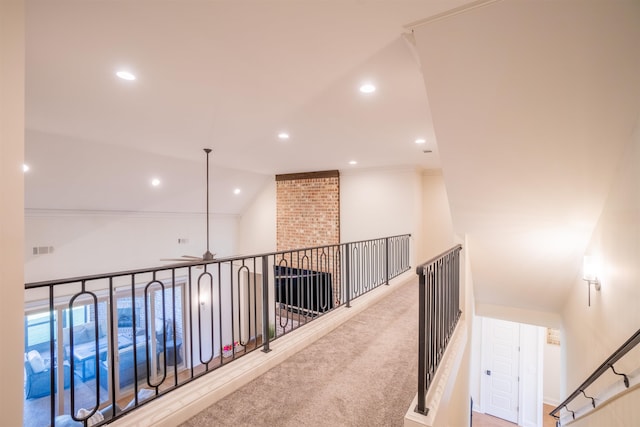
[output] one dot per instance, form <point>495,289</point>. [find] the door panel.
<point>502,367</point>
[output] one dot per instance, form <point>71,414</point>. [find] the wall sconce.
<point>203,299</point>
<point>590,273</point>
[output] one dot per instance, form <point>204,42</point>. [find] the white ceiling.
<point>228,75</point>
<point>531,104</point>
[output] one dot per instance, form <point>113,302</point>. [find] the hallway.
<point>362,373</point>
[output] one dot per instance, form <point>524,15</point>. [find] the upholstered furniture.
<point>104,414</point>
<point>38,375</point>
<point>84,348</point>
<point>126,366</point>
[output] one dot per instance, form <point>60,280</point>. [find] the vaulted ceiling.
<point>526,107</point>
<point>229,75</point>
<point>533,104</point>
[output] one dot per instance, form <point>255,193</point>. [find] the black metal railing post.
<point>347,273</point>
<point>386,263</point>
<point>266,338</point>
<point>422,374</point>
<point>52,380</point>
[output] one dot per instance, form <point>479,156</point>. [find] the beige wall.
<point>437,228</point>
<point>102,241</point>
<point>591,334</point>
<point>11,208</point>
<point>456,411</point>
<point>257,232</point>
<point>552,374</point>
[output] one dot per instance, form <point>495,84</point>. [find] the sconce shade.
<point>590,268</point>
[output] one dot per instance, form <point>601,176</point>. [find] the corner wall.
<point>12,72</point>
<point>592,333</point>
<point>257,227</point>
<point>437,227</point>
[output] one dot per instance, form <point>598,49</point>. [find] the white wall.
<point>11,208</point>
<point>531,386</point>
<point>373,203</point>
<point>552,375</point>
<point>437,227</point>
<point>257,228</point>
<point>101,242</point>
<point>591,334</point>
<point>380,202</point>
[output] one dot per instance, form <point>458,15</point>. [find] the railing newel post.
<point>347,273</point>
<point>265,304</point>
<point>422,362</point>
<point>386,266</point>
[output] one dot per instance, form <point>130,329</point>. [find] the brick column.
<point>308,215</point>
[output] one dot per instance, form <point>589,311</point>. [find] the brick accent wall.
<point>308,209</point>
<point>308,215</point>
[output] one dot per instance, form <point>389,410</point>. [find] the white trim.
<point>398,168</point>
<point>450,13</point>
<point>443,380</point>
<point>43,213</point>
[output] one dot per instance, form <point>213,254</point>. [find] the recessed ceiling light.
<point>367,88</point>
<point>420,141</point>
<point>283,135</point>
<point>125,75</point>
<point>155,182</point>
<point>236,191</point>
<point>353,162</point>
<point>25,168</point>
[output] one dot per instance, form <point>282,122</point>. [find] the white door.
<point>501,340</point>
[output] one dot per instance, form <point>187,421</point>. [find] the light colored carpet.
<point>364,373</point>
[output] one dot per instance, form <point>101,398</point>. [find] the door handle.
<point>488,372</point>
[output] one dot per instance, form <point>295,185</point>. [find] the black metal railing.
<point>606,365</point>
<point>113,342</point>
<point>438,314</point>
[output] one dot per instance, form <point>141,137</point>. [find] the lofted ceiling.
<point>224,74</point>
<point>531,104</point>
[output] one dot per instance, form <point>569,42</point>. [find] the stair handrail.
<point>606,365</point>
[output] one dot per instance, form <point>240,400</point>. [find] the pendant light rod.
<point>208,256</point>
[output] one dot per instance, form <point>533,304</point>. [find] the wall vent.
<point>42,250</point>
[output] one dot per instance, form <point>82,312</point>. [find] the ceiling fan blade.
<point>179,259</point>
<point>191,257</point>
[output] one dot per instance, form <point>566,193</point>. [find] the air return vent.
<point>42,250</point>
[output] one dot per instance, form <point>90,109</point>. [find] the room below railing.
<point>106,344</point>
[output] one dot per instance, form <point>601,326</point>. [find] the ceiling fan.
<point>207,256</point>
